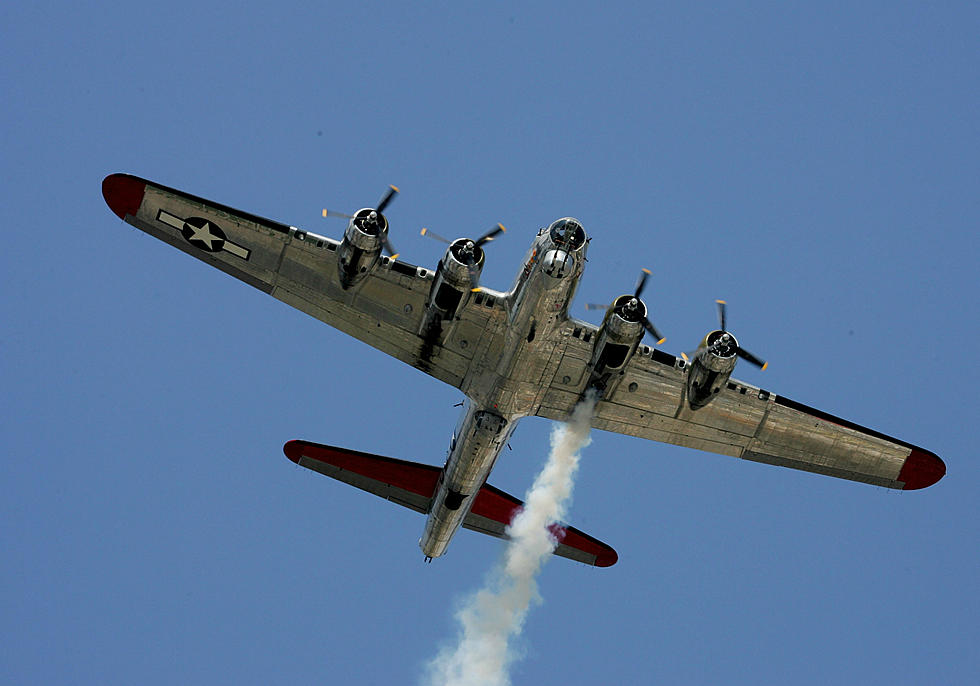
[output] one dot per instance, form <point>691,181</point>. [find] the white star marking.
<point>204,235</point>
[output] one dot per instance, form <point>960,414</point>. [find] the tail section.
<point>413,485</point>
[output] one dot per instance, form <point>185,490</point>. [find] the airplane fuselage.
<point>536,306</point>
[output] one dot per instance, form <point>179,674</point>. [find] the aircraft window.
<point>491,301</point>
<point>453,500</point>
<point>567,232</point>
<point>403,268</point>
<point>732,387</point>
<point>331,246</point>
<point>587,337</point>
<point>479,298</point>
<point>577,332</point>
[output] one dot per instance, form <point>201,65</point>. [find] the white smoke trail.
<point>494,615</point>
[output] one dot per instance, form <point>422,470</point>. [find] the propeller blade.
<point>749,357</point>
<point>648,325</point>
<point>474,274</point>
<point>641,283</point>
<point>388,196</point>
<point>694,354</point>
<point>491,234</point>
<point>331,213</point>
<point>433,234</point>
<point>722,311</point>
<point>595,306</point>
<point>389,248</point>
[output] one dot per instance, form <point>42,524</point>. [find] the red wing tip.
<point>123,194</point>
<point>607,558</point>
<point>293,450</point>
<point>921,469</point>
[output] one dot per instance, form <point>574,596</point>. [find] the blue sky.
<point>814,165</point>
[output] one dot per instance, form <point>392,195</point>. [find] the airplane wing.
<point>299,268</point>
<point>413,485</point>
<point>742,421</point>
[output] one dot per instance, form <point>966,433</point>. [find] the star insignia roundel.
<point>203,234</point>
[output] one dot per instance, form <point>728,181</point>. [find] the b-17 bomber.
<point>512,354</point>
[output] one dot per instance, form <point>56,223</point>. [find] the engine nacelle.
<point>361,247</point>
<point>617,340</point>
<point>456,276</point>
<point>711,367</point>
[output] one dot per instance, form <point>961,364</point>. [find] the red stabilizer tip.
<point>607,558</point>
<point>921,469</point>
<point>123,194</point>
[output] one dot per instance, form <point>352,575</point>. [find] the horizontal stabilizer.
<point>413,485</point>
<point>494,510</point>
<point>407,483</point>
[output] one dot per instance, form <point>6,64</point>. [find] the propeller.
<point>372,218</point>
<point>727,340</point>
<point>630,309</point>
<point>467,253</point>
<point>386,199</point>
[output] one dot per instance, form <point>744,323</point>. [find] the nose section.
<point>567,233</point>
<point>921,469</point>
<point>557,264</point>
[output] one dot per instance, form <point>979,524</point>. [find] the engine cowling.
<point>711,367</point>
<point>617,340</point>
<point>456,276</point>
<point>361,247</point>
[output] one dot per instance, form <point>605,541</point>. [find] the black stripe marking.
<point>833,419</point>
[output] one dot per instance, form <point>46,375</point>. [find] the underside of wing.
<point>383,309</point>
<point>413,484</point>
<point>244,245</point>
<point>748,422</point>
